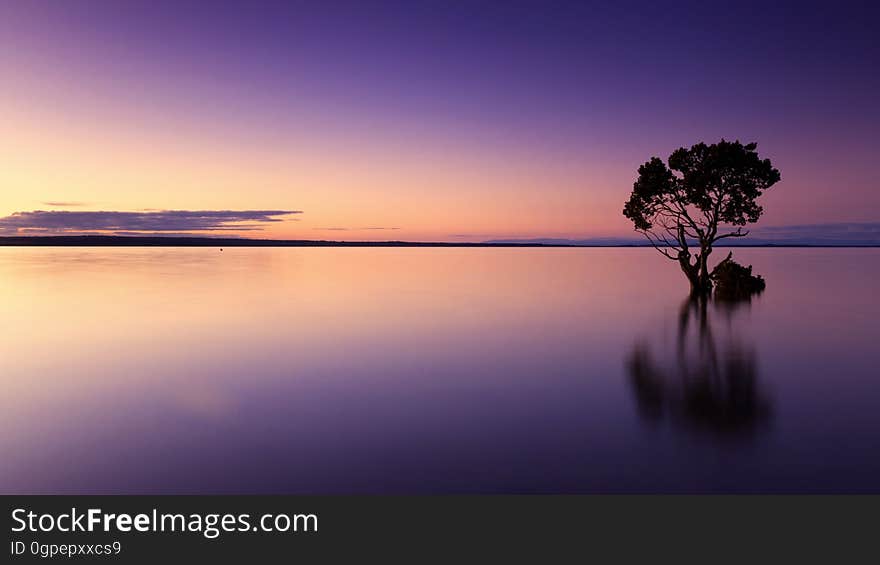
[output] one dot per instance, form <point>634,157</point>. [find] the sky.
<point>442,121</point>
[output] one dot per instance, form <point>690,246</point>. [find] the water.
<point>334,370</point>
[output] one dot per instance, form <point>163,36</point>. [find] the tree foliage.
<point>683,207</point>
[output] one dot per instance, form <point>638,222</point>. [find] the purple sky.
<point>434,118</point>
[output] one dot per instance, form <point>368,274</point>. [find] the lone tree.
<point>680,208</point>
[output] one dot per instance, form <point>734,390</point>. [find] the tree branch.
<point>655,245</point>
<point>738,233</point>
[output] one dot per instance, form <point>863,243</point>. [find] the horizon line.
<point>101,240</point>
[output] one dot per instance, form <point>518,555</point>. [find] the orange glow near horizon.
<point>436,187</point>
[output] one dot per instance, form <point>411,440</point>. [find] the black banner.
<point>150,529</point>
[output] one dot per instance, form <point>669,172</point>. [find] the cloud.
<point>41,222</point>
<point>841,233</point>
<point>63,204</point>
<point>861,232</point>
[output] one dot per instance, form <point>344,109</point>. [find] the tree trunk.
<point>701,287</point>
<point>704,280</point>
<point>698,284</point>
<point>697,274</point>
<point>704,265</point>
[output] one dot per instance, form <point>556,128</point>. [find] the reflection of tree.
<point>710,386</point>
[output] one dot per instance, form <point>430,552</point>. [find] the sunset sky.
<point>446,121</point>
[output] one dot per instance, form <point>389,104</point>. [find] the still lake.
<point>423,370</point>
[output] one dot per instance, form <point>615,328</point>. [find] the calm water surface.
<point>433,370</point>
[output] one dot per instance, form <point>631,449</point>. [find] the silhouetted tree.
<point>683,206</point>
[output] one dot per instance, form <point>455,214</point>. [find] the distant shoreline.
<point>147,241</point>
